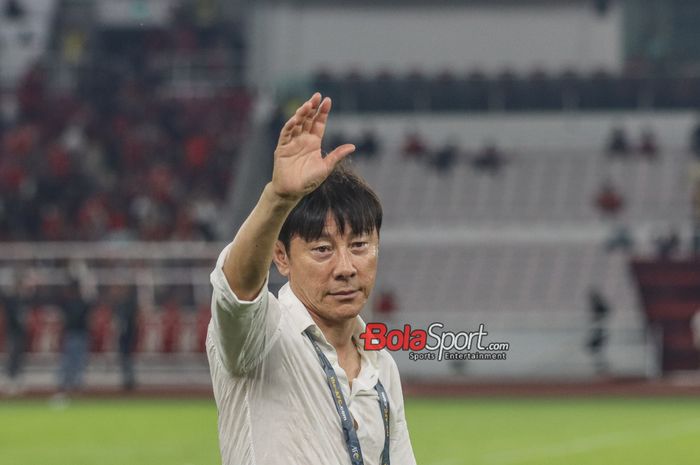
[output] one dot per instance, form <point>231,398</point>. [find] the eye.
<point>359,244</point>
<point>322,249</point>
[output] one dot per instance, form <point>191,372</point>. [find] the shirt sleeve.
<point>243,330</point>
<point>401,451</point>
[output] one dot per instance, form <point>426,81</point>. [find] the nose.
<point>344,266</point>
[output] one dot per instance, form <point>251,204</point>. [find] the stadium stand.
<point>154,119</point>
<point>535,187</point>
<point>476,91</point>
<point>522,248</point>
<point>118,133</point>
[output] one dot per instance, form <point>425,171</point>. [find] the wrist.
<point>280,199</point>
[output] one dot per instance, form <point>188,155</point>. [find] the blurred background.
<point>538,162</point>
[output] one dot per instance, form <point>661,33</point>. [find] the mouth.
<point>346,293</point>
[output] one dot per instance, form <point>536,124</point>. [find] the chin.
<point>350,311</point>
<point>345,312</point>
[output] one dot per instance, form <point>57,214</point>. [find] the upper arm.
<point>243,329</point>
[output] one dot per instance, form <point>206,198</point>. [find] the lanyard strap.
<point>384,408</point>
<point>351,439</point>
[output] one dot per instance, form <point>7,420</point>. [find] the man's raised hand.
<point>299,165</point>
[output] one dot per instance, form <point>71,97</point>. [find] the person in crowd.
<point>76,311</point>
<point>667,244</point>
<point>490,160</point>
<point>618,145</point>
<point>609,201</point>
<point>444,159</point>
<point>414,147</point>
<point>368,146</point>
<point>649,146</point>
<point>17,304</point>
<point>126,310</point>
<point>620,239</point>
<point>600,310</point>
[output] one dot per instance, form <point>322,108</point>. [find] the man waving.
<point>292,381</point>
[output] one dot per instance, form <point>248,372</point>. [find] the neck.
<point>338,334</point>
<point>340,337</point>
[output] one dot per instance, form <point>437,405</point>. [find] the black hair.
<point>344,195</point>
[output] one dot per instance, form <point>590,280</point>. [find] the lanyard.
<point>341,406</point>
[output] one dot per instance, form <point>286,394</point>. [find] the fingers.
<point>338,154</point>
<point>291,127</point>
<point>300,117</point>
<point>286,132</point>
<point>301,120</point>
<point>319,122</point>
<point>315,100</point>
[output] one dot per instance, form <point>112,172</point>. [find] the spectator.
<point>17,306</point>
<point>648,148</point>
<point>618,144</point>
<point>609,201</point>
<point>444,159</point>
<point>667,244</point>
<point>75,311</point>
<point>414,147</point>
<point>126,307</point>
<point>490,160</point>
<point>620,239</point>
<point>367,147</point>
<point>599,310</point>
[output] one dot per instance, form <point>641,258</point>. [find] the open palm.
<point>299,165</point>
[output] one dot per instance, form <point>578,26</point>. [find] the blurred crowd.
<point>120,155</point>
<point>25,318</point>
<point>77,319</point>
<point>143,168</point>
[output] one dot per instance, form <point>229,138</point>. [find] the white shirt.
<point>275,406</point>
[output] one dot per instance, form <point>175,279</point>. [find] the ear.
<point>281,259</point>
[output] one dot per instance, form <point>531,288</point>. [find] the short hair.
<point>345,196</point>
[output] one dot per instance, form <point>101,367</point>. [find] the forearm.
<point>250,255</point>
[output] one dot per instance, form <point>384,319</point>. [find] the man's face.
<point>334,275</point>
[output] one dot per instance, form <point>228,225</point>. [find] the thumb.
<point>338,154</point>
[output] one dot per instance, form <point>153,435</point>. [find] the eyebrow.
<point>325,236</point>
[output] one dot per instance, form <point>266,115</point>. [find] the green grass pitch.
<point>444,432</point>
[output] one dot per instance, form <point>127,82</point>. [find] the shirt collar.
<point>301,320</point>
